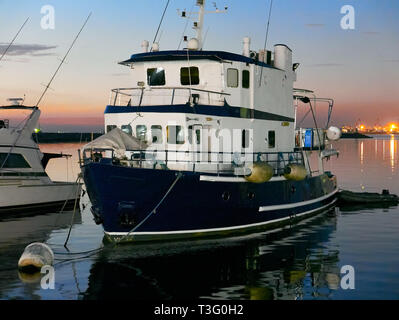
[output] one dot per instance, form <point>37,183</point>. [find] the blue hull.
<point>123,197</point>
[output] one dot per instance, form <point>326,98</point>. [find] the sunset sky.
<point>358,68</point>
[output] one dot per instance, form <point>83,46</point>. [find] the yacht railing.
<point>213,164</point>
<point>170,95</point>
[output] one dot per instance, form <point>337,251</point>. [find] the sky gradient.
<point>358,68</point>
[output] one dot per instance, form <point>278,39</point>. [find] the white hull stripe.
<point>117,234</point>
<point>296,204</point>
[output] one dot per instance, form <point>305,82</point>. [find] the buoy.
<point>260,173</point>
<point>334,134</point>
<point>295,172</point>
<point>36,256</point>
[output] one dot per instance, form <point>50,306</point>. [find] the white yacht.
<point>24,183</point>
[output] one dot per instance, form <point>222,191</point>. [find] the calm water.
<point>299,262</point>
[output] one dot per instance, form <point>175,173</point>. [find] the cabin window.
<point>156,133</point>
<point>232,78</point>
<point>245,79</point>
<point>141,132</point>
<point>175,134</point>
<point>127,129</point>
<point>156,77</point>
<point>245,139</point>
<point>110,128</point>
<point>272,139</point>
<point>14,161</point>
<point>189,76</point>
<point>196,132</point>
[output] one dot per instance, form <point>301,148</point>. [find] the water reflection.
<point>292,263</point>
<point>15,234</point>
<point>392,148</point>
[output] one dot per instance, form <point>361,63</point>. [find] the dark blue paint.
<point>192,204</point>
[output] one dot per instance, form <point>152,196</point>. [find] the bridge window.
<point>141,132</point>
<point>175,134</point>
<point>127,129</point>
<point>110,128</point>
<point>196,132</point>
<point>232,78</point>
<point>189,76</point>
<point>272,139</point>
<point>156,77</point>
<point>14,161</point>
<point>156,132</point>
<point>245,139</point>
<point>245,79</point>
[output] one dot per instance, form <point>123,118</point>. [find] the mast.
<point>199,24</point>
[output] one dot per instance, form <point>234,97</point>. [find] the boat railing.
<point>141,96</point>
<point>195,161</point>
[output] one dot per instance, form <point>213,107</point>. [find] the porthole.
<point>226,196</point>
<point>251,195</point>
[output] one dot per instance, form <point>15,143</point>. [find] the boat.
<point>24,184</point>
<point>351,197</point>
<point>206,145</point>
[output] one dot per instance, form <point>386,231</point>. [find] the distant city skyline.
<point>358,68</point>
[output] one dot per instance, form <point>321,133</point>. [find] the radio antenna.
<point>62,62</point>
<point>12,42</point>
<point>160,22</point>
<point>267,34</point>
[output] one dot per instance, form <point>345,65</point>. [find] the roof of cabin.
<point>177,55</point>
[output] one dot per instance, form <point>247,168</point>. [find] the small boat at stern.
<point>205,145</point>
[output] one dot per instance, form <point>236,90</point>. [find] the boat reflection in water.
<point>291,263</point>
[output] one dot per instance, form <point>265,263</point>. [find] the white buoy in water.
<point>36,256</point>
<point>334,134</point>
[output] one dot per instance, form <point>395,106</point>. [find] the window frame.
<point>159,129</point>
<point>149,77</point>
<point>271,139</point>
<point>246,78</point>
<point>189,76</point>
<point>176,141</point>
<point>237,82</point>
<point>19,156</point>
<point>245,138</point>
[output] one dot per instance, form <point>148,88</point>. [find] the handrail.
<point>118,90</point>
<point>140,156</point>
<point>192,99</point>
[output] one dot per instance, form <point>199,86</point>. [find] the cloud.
<point>314,25</point>
<point>34,50</point>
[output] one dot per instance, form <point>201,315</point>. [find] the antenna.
<point>160,23</point>
<point>11,43</point>
<point>199,23</point>
<point>267,33</point>
<point>62,62</point>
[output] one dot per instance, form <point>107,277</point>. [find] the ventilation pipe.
<point>247,47</point>
<point>145,45</point>
<point>283,57</point>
